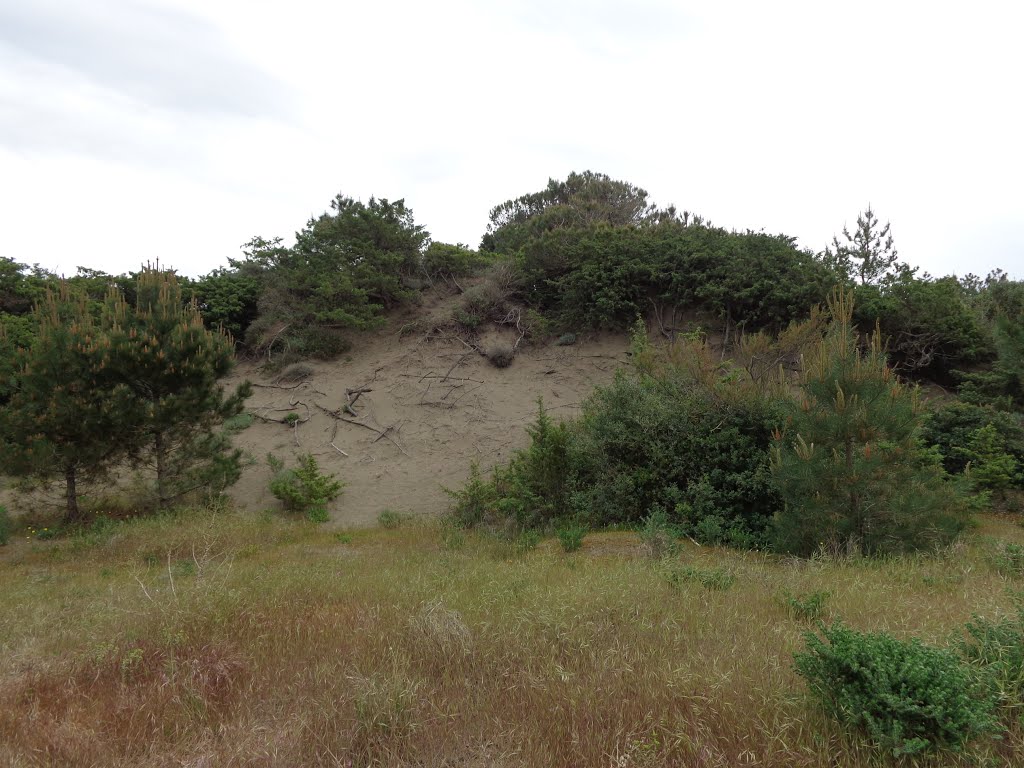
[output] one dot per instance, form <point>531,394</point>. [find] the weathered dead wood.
<point>279,386</point>
<point>380,433</point>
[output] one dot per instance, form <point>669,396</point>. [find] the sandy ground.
<point>440,405</point>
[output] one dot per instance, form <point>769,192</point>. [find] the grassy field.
<point>217,639</point>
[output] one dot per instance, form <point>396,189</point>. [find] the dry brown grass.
<point>218,640</point>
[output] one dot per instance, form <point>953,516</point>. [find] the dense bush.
<point>603,277</point>
<point>952,427</point>
<point>929,328</point>
<point>660,442</point>
<point>908,697</point>
<point>443,261</point>
<point>646,443</point>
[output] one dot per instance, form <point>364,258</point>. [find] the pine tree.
<point>849,465</point>
<point>171,362</point>
<point>64,412</point>
<point>868,254</point>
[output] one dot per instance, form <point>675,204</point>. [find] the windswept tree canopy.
<point>583,199</point>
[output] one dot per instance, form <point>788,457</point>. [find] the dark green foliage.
<point>67,411</point>
<point>473,504</point>
<point>595,254</point>
<point>171,363</point>
<point>303,488</point>
<point>227,298</point>
<point>445,262</point>
<point>6,525</point>
<point>907,696</point>
<point>928,326</point>
<point>992,469</point>
<point>603,277</point>
<point>318,515</point>
<point>849,466</point>
<point>583,199</point>
<point>534,488</point>
<point>531,491</point>
<point>346,267</point>
<point>21,287</point>
<point>996,647</point>
<point>671,443</point>
<point>952,429</point>
<point>999,301</point>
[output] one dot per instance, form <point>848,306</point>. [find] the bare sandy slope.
<point>440,404</point>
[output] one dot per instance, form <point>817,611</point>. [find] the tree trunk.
<point>72,514</point>
<point>855,513</point>
<point>161,468</point>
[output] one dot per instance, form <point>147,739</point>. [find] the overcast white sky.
<point>178,129</point>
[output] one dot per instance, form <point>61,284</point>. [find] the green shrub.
<point>238,423</point>
<point>474,503</point>
<point>716,579</point>
<point>657,536</point>
<point>318,514</point>
<point>526,541</point>
<point>908,697</point>
<point>953,427</point>
<point>443,261</point>
<point>6,525</point>
<point>688,446</point>
<point>806,607</point>
<point>531,491</point>
<point>390,519</point>
<point>570,536</point>
<point>302,488</point>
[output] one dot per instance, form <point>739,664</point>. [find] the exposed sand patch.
<point>442,405</point>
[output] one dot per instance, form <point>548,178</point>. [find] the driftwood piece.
<point>380,433</point>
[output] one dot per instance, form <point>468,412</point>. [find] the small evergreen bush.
<point>908,696</point>
<point>304,487</point>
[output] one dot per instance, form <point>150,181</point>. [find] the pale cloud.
<point>181,129</point>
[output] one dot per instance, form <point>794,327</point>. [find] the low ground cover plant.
<point>909,697</point>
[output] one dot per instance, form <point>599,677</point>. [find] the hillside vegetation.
<point>766,510</point>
